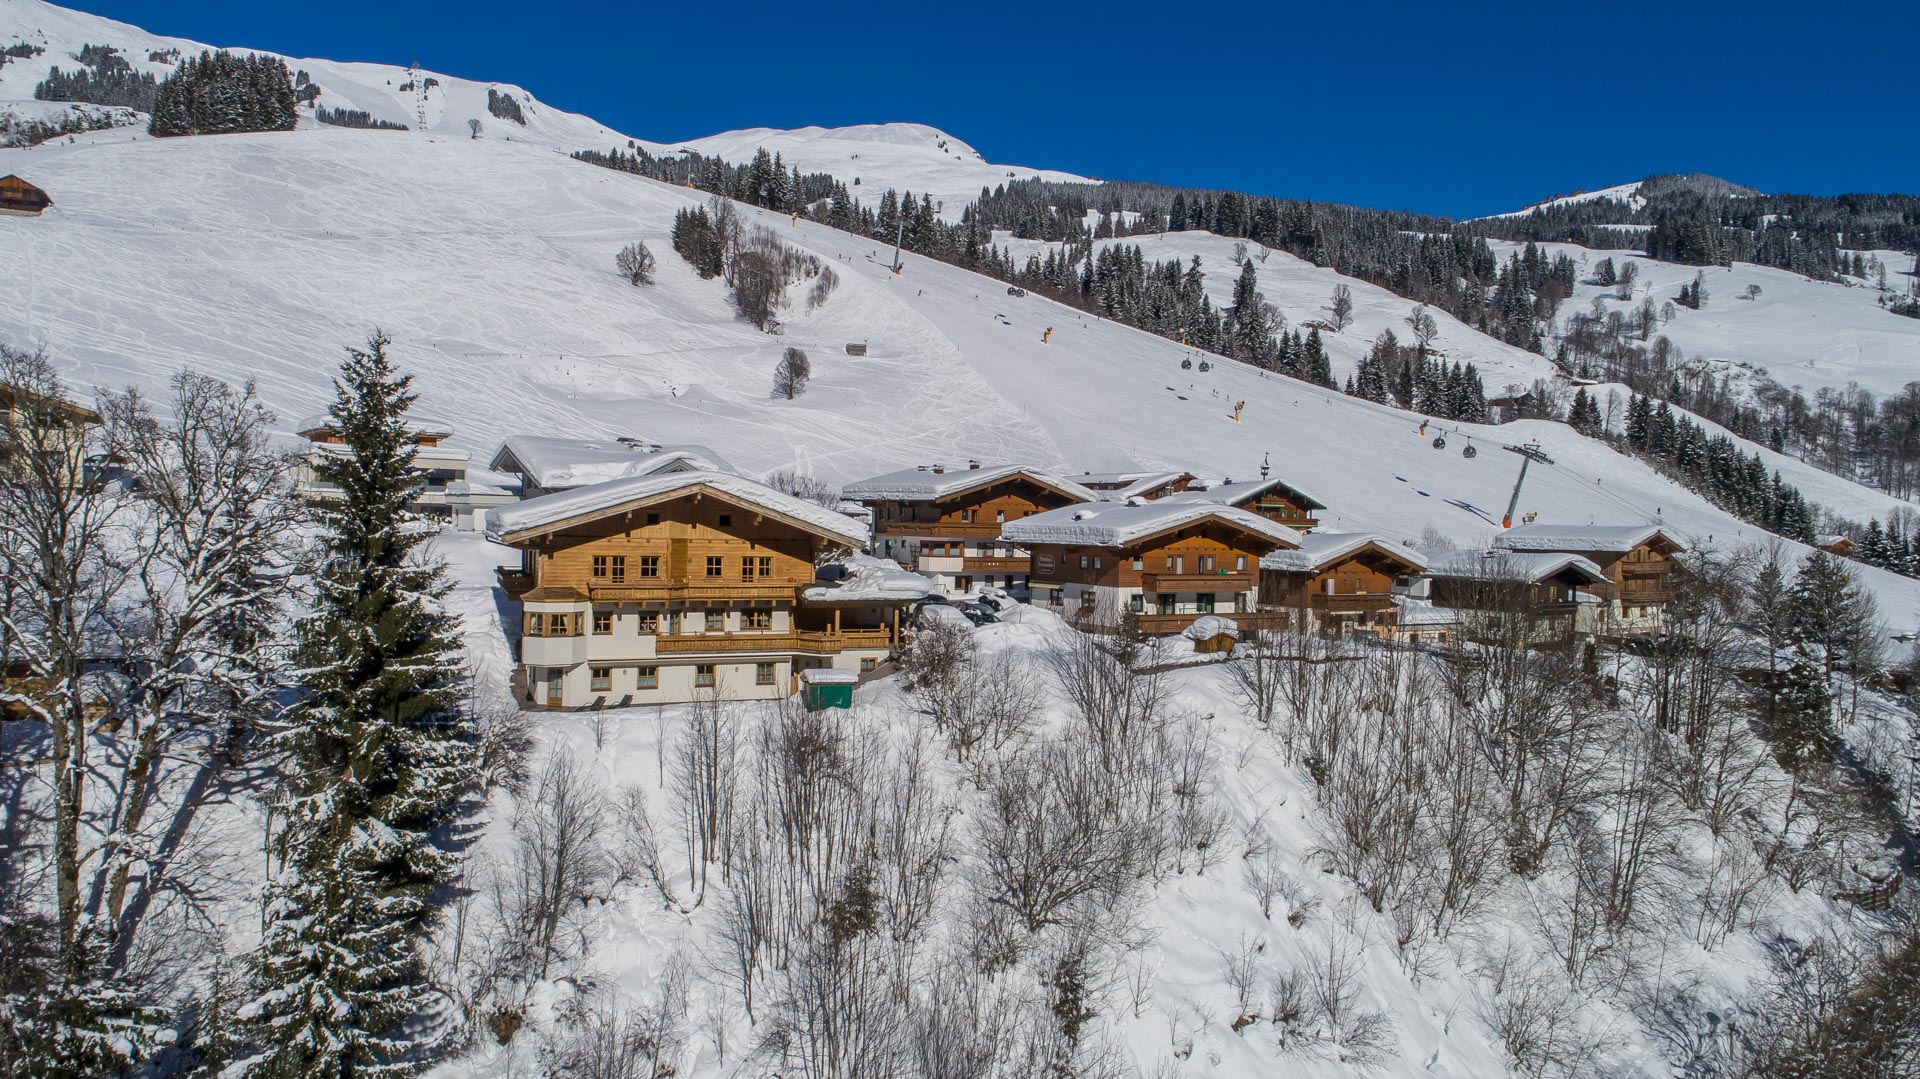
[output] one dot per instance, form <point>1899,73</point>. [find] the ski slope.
<point>1304,293</point>
<point>491,265</point>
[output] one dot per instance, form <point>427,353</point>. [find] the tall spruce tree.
<point>381,757</point>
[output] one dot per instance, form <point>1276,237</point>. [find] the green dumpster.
<point>824,687</point>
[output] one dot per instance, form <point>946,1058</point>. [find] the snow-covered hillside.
<point>1801,331</point>
<point>1303,292</point>
<point>1627,193</point>
<point>261,255</point>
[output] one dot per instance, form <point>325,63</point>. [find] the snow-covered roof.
<point>1612,538</point>
<point>930,483</point>
<point>1120,486</point>
<point>873,580</point>
<point>1531,567</point>
<point>1118,524</point>
<point>558,463</point>
<point>1208,626</point>
<point>1317,550</point>
<point>416,425</point>
<point>1233,494</point>
<point>829,676</point>
<point>600,499</point>
<point>1421,613</point>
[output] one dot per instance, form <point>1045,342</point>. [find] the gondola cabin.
<point>19,198</point>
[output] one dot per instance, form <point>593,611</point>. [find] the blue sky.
<point>1430,107</point>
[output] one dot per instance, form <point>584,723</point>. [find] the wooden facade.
<point>53,427</point>
<point>22,199</point>
<point>1638,563</point>
<point>674,596</point>
<point>955,537</point>
<point>1511,600</point>
<point>1276,500</point>
<point>1210,566</point>
<point>1349,592</point>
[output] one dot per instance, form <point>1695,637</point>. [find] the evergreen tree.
<point>1315,366</point>
<point>381,758</point>
<point>1252,336</point>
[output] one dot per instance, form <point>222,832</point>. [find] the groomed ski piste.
<point>490,263</point>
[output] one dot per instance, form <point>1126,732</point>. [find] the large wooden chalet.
<point>664,589</point>
<point>1521,596</point>
<point>1167,561</point>
<point>1120,486</point>
<point>1339,583</point>
<point>946,523</point>
<point>545,464</point>
<point>1638,561</point>
<point>1275,499</point>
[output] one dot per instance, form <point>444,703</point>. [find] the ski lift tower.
<point>1528,454</point>
<point>898,236</point>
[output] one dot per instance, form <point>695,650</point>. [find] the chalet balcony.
<point>938,529</point>
<point>1198,582</point>
<point>1021,564</point>
<point>514,583</point>
<point>1645,597</point>
<point>1352,602</point>
<point>669,589</point>
<point>816,641</point>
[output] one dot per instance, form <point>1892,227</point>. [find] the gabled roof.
<point>559,463</point>
<point>416,425</point>
<point>1120,486</point>
<point>1319,550</point>
<point>931,483</point>
<point>1121,524</point>
<point>1612,538</point>
<point>549,512</point>
<point>1233,494</point>
<point>1520,566</point>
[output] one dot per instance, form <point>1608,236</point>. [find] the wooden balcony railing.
<point>998,565</point>
<point>665,589</point>
<point>1162,625</point>
<point>514,583</point>
<point>1197,582</point>
<point>939,529</point>
<point>793,641</point>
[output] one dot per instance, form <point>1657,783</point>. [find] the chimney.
<point>972,465</point>
<point>939,469</point>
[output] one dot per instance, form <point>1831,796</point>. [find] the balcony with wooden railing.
<point>1165,625</point>
<point>1198,582</point>
<point>998,564</point>
<point>939,529</point>
<point>514,583</point>
<point>791,641</point>
<point>696,589</point>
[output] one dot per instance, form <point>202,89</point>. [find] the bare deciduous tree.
<point>1341,307</point>
<point>635,263</point>
<point>791,374</point>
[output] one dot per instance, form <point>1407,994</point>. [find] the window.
<point>1086,600</point>
<point>600,566</point>
<point>1204,602</point>
<point>649,622</point>
<point>763,674</point>
<point>726,520</point>
<point>649,565</point>
<point>703,676</point>
<point>714,568</point>
<point>1166,603</point>
<point>1139,563</point>
<point>1083,561</point>
<point>653,518</point>
<point>648,677</point>
<point>750,567</point>
<point>536,624</point>
<point>999,517</point>
<point>756,620</point>
<point>619,568</point>
<point>869,665</point>
<point>766,566</point>
<point>602,679</point>
<point>1138,604</point>
<point>603,622</point>
<point>1096,562</point>
<point>1240,562</point>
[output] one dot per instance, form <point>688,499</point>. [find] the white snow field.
<point>491,265</point>
<point>1804,333</point>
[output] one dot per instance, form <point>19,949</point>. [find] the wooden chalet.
<point>1339,583</point>
<point>1120,486</point>
<point>19,198</point>
<point>665,589</point>
<point>946,523</point>
<point>1519,596</point>
<point>545,464</point>
<point>1275,499</point>
<point>1166,562</point>
<point>445,491</point>
<point>1638,561</point>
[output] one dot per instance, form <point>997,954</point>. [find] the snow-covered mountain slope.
<point>1803,332</point>
<point>900,155</point>
<point>1304,293</point>
<point>491,264</point>
<point>1627,193</point>
<point>906,157</point>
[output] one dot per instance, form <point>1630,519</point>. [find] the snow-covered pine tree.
<point>1315,366</point>
<point>381,759</point>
